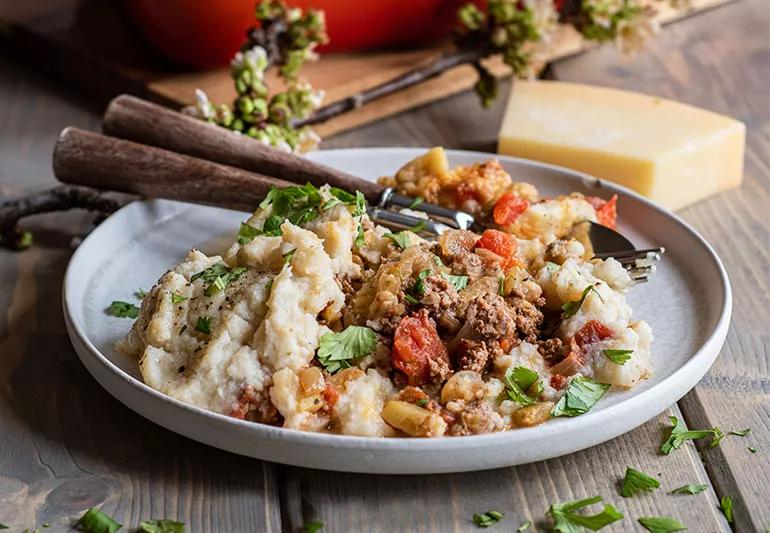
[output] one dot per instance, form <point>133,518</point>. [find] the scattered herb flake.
<point>566,520</point>
<point>360,204</point>
<point>161,526</point>
<point>312,526</point>
<point>176,298</point>
<point>211,273</point>
<point>524,526</point>
<point>417,201</point>
<point>487,519</point>
<point>636,482</point>
<point>501,286</point>
<point>411,299</point>
<point>95,521</point>
<point>726,505</point>
<point>618,357</point>
<point>203,324</point>
<point>752,449</point>
<point>520,379</point>
<point>422,402</point>
<point>140,294</point>
<point>247,233</point>
<point>122,309</point>
<point>3,526</point>
<point>417,228</point>
<point>360,239</point>
<point>418,289</point>
<point>334,349</point>
<point>401,238</point>
<point>288,256</point>
<point>571,308</point>
<point>330,203</point>
<point>690,488</point>
<point>741,433</point>
<point>582,394</point>
<point>661,524</point>
<point>218,277</point>
<point>458,282</point>
<point>679,435</point>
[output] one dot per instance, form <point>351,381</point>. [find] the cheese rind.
<point>671,152</point>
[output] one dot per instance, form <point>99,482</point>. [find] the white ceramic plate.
<point>688,304</point>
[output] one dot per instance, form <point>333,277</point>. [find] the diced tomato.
<point>415,344</point>
<point>500,243</point>
<point>508,208</point>
<point>330,395</point>
<point>606,210</point>
<point>593,331</point>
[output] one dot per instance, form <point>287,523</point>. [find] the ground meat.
<point>551,350</point>
<point>439,369</point>
<point>474,355</point>
<point>347,288</point>
<point>254,406</point>
<point>440,295</point>
<point>490,318</point>
<point>473,418</point>
<point>468,264</point>
<point>527,318</point>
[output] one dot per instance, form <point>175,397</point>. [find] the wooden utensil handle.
<point>141,121</point>
<point>94,160</point>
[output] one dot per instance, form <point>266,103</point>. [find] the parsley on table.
<point>402,238</point>
<point>661,524</point>
<point>741,433</point>
<point>313,526</point>
<point>458,282</point>
<point>752,449</point>
<point>95,521</point>
<point>567,520</point>
<point>335,349</point>
<point>3,526</point>
<point>161,526</point>
<point>679,435</point>
<point>618,357</point>
<point>690,488</point>
<point>247,233</point>
<point>417,201</point>
<point>636,482</point>
<point>726,505</point>
<point>571,308</point>
<point>487,519</point>
<point>519,381</point>
<point>203,324</point>
<point>122,309</point>
<point>582,394</point>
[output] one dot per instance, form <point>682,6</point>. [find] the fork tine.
<point>633,254</point>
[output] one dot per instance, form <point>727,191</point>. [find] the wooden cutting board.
<point>91,44</point>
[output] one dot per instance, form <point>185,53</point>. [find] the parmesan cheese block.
<point>671,152</point>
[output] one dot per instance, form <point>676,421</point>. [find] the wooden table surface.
<point>66,444</point>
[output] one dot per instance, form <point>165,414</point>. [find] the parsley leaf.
<point>524,526</point>
<point>418,289</point>
<point>661,524</point>
<point>411,299</point>
<point>95,521</point>
<point>417,228</point>
<point>360,239</point>
<point>401,238</point>
<point>298,204</point>
<point>288,256</point>
<point>417,201</point>
<point>752,449</point>
<point>218,277</point>
<point>458,282</point>
<point>247,233</point>
<point>176,298</point>
<point>422,402</point>
<point>330,203</point>
<point>211,273</point>
<point>618,357</point>
<point>203,324</point>
<point>487,519</point>
<point>140,294</point>
<point>636,482</point>
<point>520,380</point>
<point>690,488</point>
<point>3,526</point>
<point>741,433</point>
<point>679,435</point>
<point>501,286</point>
<point>581,396</point>
<point>726,505</point>
<point>161,526</point>
<point>312,526</point>
<point>571,308</point>
<point>334,349</point>
<point>122,309</point>
<point>566,520</point>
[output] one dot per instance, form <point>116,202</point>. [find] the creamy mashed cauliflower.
<point>316,319</point>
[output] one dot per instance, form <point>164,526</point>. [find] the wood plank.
<point>721,61</point>
<point>66,443</point>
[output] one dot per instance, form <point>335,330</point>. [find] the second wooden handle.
<point>94,160</point>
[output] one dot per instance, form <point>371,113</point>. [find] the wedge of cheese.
<point>673,153</point>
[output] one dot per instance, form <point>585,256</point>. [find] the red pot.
<point>206,33</point>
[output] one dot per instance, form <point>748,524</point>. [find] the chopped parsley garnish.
<point>520,380</point>
<point>3,526</point>
<point>679,435</point>
<point>176,298</point>
<point>418,289</point>
<point>288,256</point>
<point>726,505</point>
<point>140,294</point>
<point>203,324</point>
<point>401,238</point>
<point>581,396</point>
<point>330,203</point>
<point>524,526</point>
<point>313,526</point>
<point>247,233</point>
<point>618,357</point>
<point>487,519</point>
<point>752,449</point>
<point>571,308</point>
<point>218,277</point>
<point>360,239</point>
<point>417,228</point>
<point>122,309</point>
<point>411,299</point>
<point>417,201</point>
<point>161,526</point>
<point>741,433</point>
<point>690,488</point>
<point>636,482</point>
<point>567,520</point>
<point>95,521</point>
<point>422,403</point>
<point>661,524</point>
<point>458,282</point>
<point>211,273</point>
<point>335,349</point>
<point>438,261</point>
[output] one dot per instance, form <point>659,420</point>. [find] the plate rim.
<point>690,372</point>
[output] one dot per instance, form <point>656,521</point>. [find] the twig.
<point>60,198</point>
